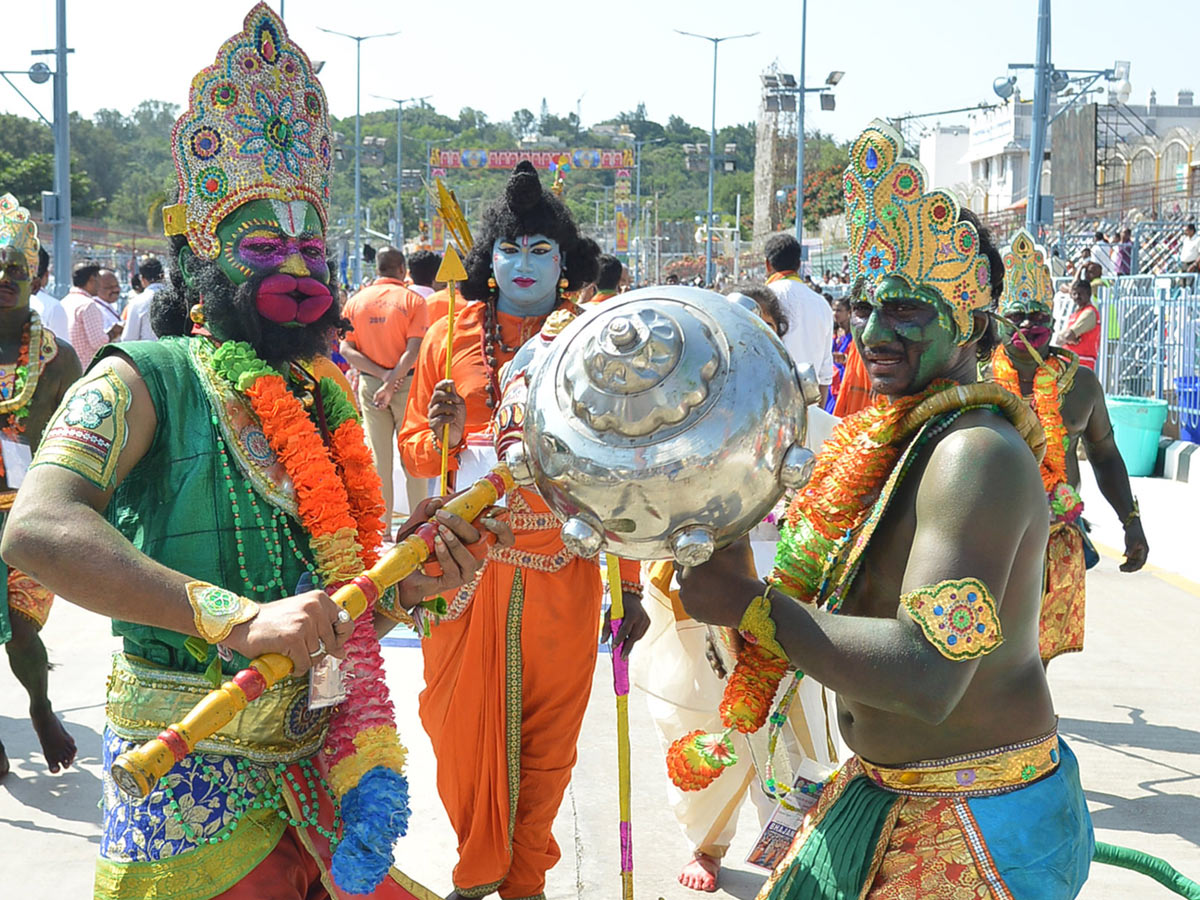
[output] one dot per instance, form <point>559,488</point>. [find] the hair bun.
<point>524,189</point>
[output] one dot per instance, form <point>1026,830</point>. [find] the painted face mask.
<point>18,253</point>
<point>905,337</point>
<point>526,269</point>
<point>282,244</point>
<point>1027,302</point>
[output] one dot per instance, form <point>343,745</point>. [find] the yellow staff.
<point>621,689</point>
<point>137,771</point>
<point>450,271</point>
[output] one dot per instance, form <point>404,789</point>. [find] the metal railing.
<point>1150,341</point>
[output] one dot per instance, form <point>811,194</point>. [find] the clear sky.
<point>911,56</point>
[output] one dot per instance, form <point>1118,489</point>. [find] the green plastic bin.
<point>1137,425</point>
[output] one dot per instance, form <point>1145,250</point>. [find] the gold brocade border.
<point>196,874</point>
<point>278,727</point>
<point>981,774</point>
<point>514,697</point>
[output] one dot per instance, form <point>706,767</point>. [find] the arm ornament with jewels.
<point>958,617</point>
<point>89,430</point>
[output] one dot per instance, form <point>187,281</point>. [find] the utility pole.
<point>358,42</point>
<point>62,156</point>
<point>709,274</point>
<point>1041,103</point>
<point>398,231</point>
<point>800,135</point>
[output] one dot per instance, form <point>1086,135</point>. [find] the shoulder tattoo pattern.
<point>89,429</point>
<point>958,617</point>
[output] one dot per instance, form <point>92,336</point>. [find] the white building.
<point>942,154</point>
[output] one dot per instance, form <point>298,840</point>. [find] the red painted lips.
<point>284,298</point>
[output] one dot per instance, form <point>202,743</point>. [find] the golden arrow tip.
<point>451,268</point>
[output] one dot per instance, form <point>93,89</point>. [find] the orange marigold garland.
<point>339,503</point>
<point>1065,502</point>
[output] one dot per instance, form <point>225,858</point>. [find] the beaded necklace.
<point>490,340</point>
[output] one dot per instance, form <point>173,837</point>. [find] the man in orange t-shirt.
<point>387,322</point>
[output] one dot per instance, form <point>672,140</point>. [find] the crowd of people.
<point>204,473</point>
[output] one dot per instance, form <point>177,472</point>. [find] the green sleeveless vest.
<point>175,507</point>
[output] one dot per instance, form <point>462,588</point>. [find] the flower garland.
<point>1065,502</point>
<point>15,408</point>
<point>850,472</point>
<point>339,504</point>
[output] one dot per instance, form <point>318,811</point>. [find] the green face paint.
<point>905,337</point>
<point>15,282</point>
<point>265,237</point>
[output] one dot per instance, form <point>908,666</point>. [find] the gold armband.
<point>87,433</point>
<point>217,610</point>
<point>958,617</point>
<point>757,626</point>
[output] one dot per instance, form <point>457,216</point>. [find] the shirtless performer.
<point>908,580</point>
<point>1069,403</point>
<point>27,400</point>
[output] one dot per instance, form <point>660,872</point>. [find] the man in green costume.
<point>909,580</point>
<point>200,490</point>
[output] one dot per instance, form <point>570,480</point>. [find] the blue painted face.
<point>527,269</point>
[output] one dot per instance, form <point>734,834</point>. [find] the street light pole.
<point>398,231</point>
<point>800,134</point>
<point>62,156</point>
<point>358,41</point>
<point>1041,103</point>
<point>709,274</point>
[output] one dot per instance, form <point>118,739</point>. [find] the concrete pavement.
<point>1127,705</point>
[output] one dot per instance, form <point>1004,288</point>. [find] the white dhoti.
<point>683,693</point>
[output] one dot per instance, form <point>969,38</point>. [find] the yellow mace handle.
<point>136,771</point>
<point>444,486</point>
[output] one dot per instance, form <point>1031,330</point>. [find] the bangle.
<point>631,587</point>
<point>216,610</point>
<point>757,627</point>
<point>1135,513</point>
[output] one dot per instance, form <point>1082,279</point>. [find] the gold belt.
<point>143,699</point>
<point>979,774</point>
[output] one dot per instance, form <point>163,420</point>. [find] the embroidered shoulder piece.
<point>958,617</point>
<point>88,432</point>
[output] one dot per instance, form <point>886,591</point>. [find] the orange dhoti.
<point>1061,627</point>
<point>507,685</point>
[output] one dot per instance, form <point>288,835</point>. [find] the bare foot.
<point>4,766</point>
<point>57,746</point>
<point>701,873</point>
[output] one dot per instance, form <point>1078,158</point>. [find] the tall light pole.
<point>358,41</point>
<point>709,274</point>
<point>800,133</point>
<point>1041,105</point>
<point>398,231</point>
<point>637,155</point>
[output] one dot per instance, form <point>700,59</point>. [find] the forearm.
<point>1113,479</point>
<point>407,360</point>
<point>360,361</point>
<point>863,659</point>
<point>72,550</point>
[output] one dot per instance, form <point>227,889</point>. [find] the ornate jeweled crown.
<point>18,230</point>
<point>1027,284</point>
<point>256,127</point>
<point>897,230</point>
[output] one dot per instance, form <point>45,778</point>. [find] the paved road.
<point>1128,706</point>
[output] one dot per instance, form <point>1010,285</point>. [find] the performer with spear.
<point>508,668</point>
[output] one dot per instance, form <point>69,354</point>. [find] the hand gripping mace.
<point>137,771</point>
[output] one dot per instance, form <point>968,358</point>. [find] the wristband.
<point>216,611</point>
<point>1135,513</point>
<point>757,627</point>
<point>631,587</point>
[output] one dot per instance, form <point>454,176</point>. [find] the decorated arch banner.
<point>549,160</point>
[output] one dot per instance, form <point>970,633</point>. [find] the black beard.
<point>231,315</point>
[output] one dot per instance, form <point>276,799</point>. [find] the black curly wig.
<point>526,208</point>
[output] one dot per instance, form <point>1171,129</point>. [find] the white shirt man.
<point>50,311</point>
<point>809,338</point>
<point>1189,249</point>
<point>137,315</point>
